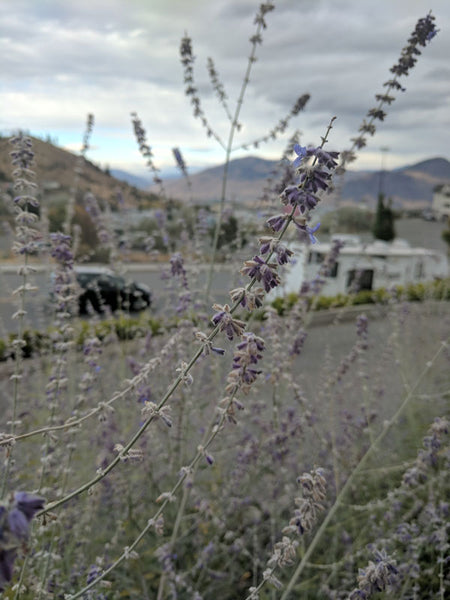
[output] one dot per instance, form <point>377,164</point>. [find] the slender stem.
<point>228,150</point>
<point>102,473</point>
<point>74,422</point>
<point>17,373</point>
<point>173,537</point>
<point>151,522</point>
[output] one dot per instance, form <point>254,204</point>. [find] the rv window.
<point>419,271</point>
<point>360,279</point>
<point>315,257</point>
<point>334,270</point>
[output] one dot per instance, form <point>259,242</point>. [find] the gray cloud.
<point>115,57</point>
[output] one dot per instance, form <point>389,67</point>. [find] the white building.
<point>441,202</point>
<point>375,265</point>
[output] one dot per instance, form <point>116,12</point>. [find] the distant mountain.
<point>409,185</point>
<point>435,167</point>
<point>141,183</point>
<point>246,180</point>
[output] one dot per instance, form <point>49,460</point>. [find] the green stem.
<point>228,151</point>
<point>17,375</point>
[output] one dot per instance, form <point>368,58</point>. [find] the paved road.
<point>164,291</point>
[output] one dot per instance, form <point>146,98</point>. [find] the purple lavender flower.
<point>270,244</point>
<point>179,159</point>
<point>61,249</point>
<point>249,299</point>
<point>306,234</point>
<point>15,518</point>
<point>376,577</point>
<point>224,318</point>
<point>177,264</point>
<point>295,195</point>
<point>28,504</point>
<point>260,270</point>
<point>300,151</point>
<point>7,558</point>
<point>242,375</point>
<point>249,350</point>
<point>277,222</point>
<point>362,326</point>
<point>23,155</point>
<point>298,343</point>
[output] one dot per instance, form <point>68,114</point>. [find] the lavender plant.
<point>189,464</point>
<point>188,60</point>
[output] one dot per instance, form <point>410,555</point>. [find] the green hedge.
<point>414,292</point>
<point>125,328</point>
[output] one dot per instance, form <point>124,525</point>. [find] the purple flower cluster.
<point>64,284</point>
<point>428,456</point>
<point>178,270</point>
<point>25,189</point>
<point>305,233</point>
<point>249,299</point>
<point>22,160</point>
<point>259,269</point>
<point>361,345</point>
<point>61,249</point>
<point>226,322</point>
<point>376,577</point>
<point>309,504</point>
<point>15,519</point>
<point>248,353</point>
<point>362,330</point>
<point>145,149</point>
<point>187,60</point>
<point>177,267</point>
<point>423,33</point>
<point>274,246</point>
<point>297,344</point>
<point>277,222</point>
<point>315,167</point>
<point>180,161</point>
<point>219,89</point>
<point>93,209</point>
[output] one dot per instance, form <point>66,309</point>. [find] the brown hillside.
<point>55,175</point>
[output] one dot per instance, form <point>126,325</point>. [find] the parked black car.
<point>102,288</point>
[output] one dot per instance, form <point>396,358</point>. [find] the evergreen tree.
<point>446,235</point>
<point>383,228</point>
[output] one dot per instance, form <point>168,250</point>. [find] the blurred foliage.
<point>347,219</point>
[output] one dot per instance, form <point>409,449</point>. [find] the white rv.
<point>376,264</point>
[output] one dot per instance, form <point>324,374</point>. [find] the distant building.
<point>363,266</point>
<point>441,202</point>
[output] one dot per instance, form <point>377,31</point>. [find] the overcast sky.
<point>62,60</point>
